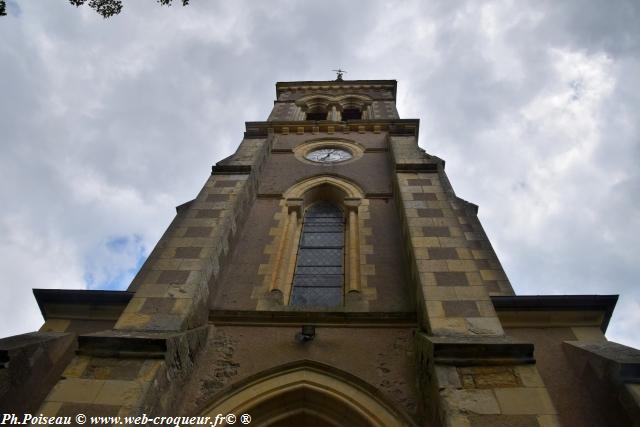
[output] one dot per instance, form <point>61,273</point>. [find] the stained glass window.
<point>319,276</point>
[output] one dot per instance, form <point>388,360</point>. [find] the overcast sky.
<point>107,125</point>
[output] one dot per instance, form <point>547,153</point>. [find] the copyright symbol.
<point>231,419</point>
<point>81,418</point>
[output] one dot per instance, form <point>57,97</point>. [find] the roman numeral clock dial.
<point>328,155</point>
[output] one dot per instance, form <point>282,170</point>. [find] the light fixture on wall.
<point>307,333</point>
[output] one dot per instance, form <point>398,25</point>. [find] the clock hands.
<point>327,155</point>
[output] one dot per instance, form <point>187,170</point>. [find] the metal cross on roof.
<point>340,73</point>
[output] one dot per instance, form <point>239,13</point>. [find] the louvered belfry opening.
<point>351,114</point>
<point>319,277</point>
<point>317,115</point>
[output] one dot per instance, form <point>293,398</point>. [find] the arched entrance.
<point>307,394</point>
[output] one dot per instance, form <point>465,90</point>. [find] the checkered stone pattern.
<point>173,286</point>
<point>172,295</point>
<point>170,302</point>
<point>453,262</point>
<point>455,270</point>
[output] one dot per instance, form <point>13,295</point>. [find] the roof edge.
<point>604,303</point>
<point>79,297</point>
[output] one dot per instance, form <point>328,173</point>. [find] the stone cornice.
<point>81,303</point>
<point>555,310</point>
<point>335,84</point>
<point>476,351</point>
<point>297,318</point>
<point>405,127</point>
<point>145,345</point>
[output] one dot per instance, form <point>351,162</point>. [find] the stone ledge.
<point>524,307</point>
<point>474,351</point>
<point>185,206</point>
<point>145,345</point>
<point>230,169</point>
<point>296,318</point>
<point>611,361</point>
<point>417,167</point>
<point>395,127</point>
<point>315,85</point>
<point>30,365</point>
<point>81,303</point>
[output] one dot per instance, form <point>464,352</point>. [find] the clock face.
<point>328,155</point>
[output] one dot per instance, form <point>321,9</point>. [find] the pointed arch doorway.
<point>307,394</point>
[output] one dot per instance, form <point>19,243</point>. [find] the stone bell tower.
<point>326,275</point>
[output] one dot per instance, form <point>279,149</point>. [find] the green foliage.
<point>108,8</point>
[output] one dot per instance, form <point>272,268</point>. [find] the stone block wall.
<point>477,396</point>
<point>139,366</point>
<point>30,364</point>
<point>484,380</point>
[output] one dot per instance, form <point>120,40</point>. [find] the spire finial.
<point>340,73</point>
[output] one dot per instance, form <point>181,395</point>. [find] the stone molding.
<point>478,351</point>
<point>343,397</point>
<point>274,293</point>
<point>395,127</point>
<point>326,319</point>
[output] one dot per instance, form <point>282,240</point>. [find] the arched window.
<point>351,114</point>
<point>315,257</point>
<point>319,275</point>
<point>317,115</point>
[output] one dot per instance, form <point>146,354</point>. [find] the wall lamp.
<point>307,333</point>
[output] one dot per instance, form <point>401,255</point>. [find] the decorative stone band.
<point>395,127</point>
<point>324,318</point>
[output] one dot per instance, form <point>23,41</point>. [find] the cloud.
<point>108,124</point>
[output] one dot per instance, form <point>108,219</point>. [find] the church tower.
<point>325,275</point>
